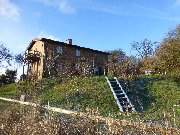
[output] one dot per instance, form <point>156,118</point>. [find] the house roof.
<point>62,43</point>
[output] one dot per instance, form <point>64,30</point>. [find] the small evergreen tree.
<point>9,77</point>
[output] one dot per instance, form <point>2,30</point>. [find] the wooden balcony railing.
<point>33,56</point>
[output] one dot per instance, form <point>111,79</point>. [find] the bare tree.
<point>5,55</point>
<point>144,48</point>
<point>173,34</point>
<point>19,58</point>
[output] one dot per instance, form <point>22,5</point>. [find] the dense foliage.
<point>152,57</point>
<point>168,55</point>
<point>8,78</point>
<point>121,65</point>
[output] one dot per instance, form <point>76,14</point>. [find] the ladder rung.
<point>118,94</point>
<point>113,81</point>
<point>118,91</point>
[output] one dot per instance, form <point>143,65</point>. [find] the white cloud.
<point>64,6</point>
<point>9,10</point>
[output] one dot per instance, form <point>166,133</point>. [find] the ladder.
<point>120,96</point>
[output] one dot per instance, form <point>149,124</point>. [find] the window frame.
<point>59,50</point>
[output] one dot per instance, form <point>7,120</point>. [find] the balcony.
<point>32,56</point>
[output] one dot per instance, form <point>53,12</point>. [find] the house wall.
<point>68,57</point>
<point>36,68</point>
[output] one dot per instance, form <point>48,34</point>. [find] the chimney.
<point>69,41</point>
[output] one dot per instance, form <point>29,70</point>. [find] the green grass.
<point>153,93</point>
<point>152,96</point>
<point>156,95</point>
<point>81,94</point>
<point>166,94</point>
<point>8,91</point>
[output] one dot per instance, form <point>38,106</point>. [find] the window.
<point>59,50</point>
<point>78,52</point>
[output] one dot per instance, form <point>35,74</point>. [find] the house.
<point>46,57</point>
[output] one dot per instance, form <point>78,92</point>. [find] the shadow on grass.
<point>138,91</point>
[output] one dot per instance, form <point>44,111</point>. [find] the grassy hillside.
<point>153,97</point>
<point>81,94</point>
<point>9,91</point>
<point>154,92</point>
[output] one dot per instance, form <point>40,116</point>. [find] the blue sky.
<point>98,24</point>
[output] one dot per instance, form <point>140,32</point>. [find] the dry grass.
<point>19,120</point>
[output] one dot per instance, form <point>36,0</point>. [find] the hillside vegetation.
<point>8,91</point>
<point>81,94</point>
<point>153,97</point>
